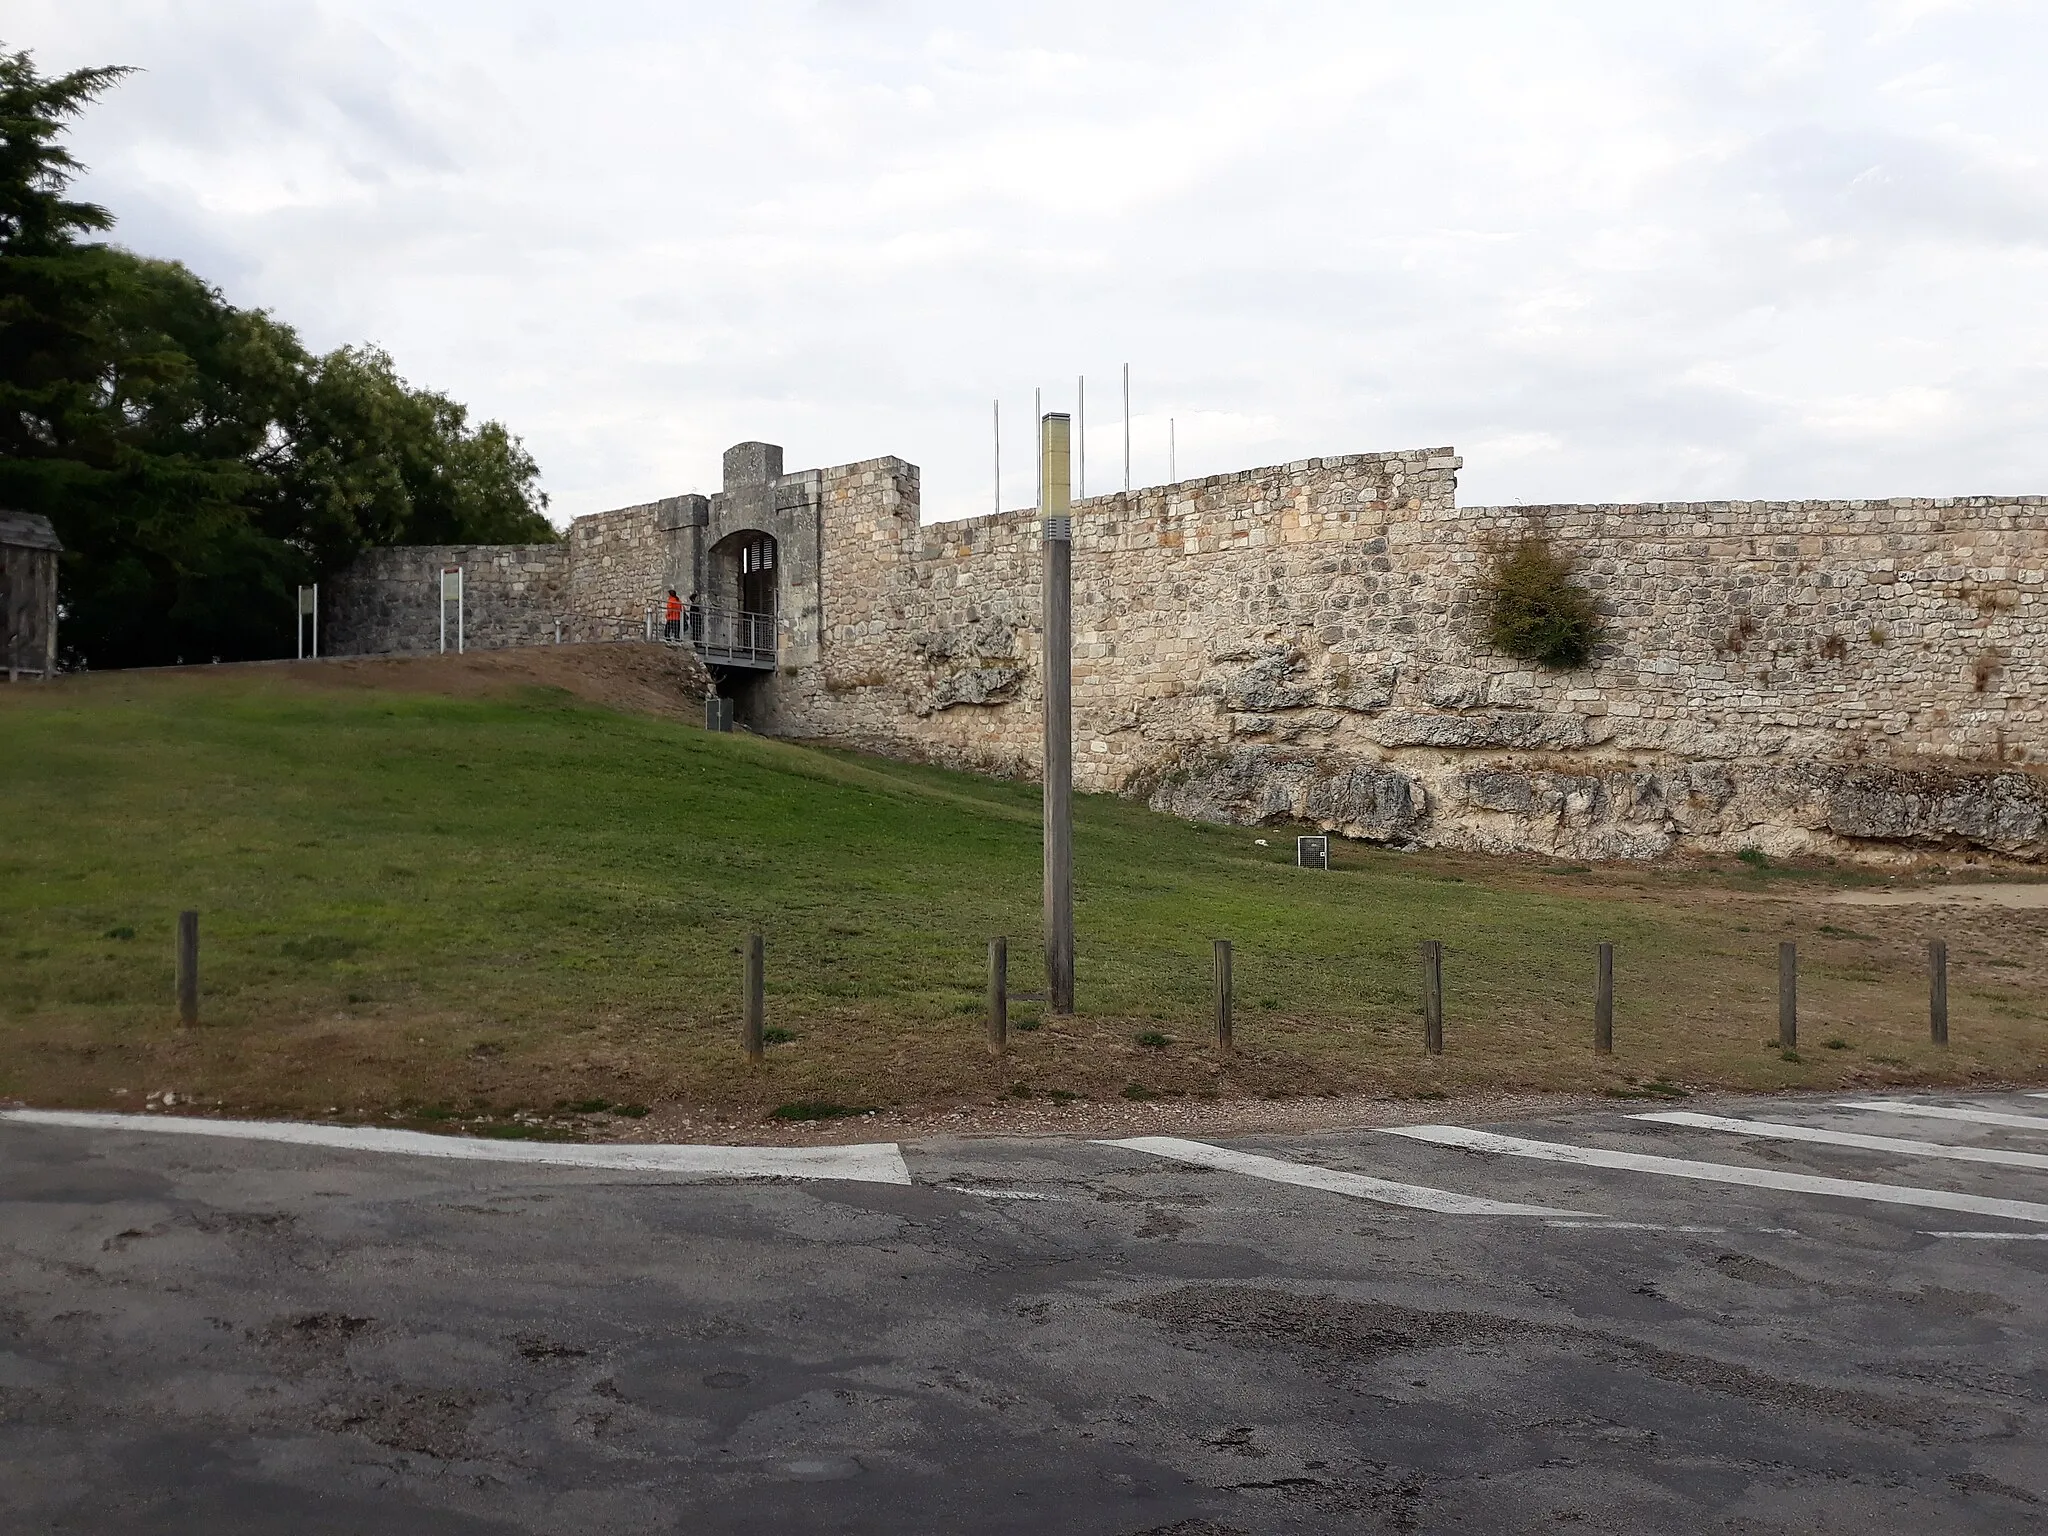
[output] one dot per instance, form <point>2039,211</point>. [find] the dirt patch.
<point>632,677</point>
<point>2018,897</point>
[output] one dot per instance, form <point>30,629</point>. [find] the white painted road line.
<point>1630,1226</point>
<point>1996,1237</point>
<point>1335,1181</point>
<point>873,1163</point>
<point>1943,1112</point>
<point>1720,1173</point>
<point>1779,1131</point>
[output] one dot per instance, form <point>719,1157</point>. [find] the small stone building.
<point>28,595</point>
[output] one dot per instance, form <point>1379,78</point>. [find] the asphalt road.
<point>219,1336</point>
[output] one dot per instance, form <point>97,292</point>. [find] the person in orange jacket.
<point>672,617</point>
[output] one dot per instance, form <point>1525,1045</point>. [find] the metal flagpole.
<point>1056,529</point>
<point>1127,428</point>
<point>999,455</point>
<point>1081,429</point>
<point>1172,455</point>
<point>1037,416</point>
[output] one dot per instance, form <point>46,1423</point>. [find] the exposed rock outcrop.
<point>1260,785</point>
<point>1611,811</point>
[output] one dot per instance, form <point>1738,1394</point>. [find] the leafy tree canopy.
<point>197,460</point>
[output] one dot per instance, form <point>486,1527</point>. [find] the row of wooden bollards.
<point>1432,992</point>
<point>1432,995</point>
<point>1603,996</point>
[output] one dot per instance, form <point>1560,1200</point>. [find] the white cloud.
<point>1614,252</point>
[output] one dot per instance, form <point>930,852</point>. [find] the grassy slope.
<point>421,900</point>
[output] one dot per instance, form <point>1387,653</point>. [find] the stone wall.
<point>618,562</point>
<point>1301,643</point>
<point>388,601</point>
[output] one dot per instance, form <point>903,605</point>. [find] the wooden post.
<point>1937,991</point>
<point>11,609</point>
<point>50,625</point>
<point>1788,996</point>
<point>1603,1004</point>
<point>998,996</point>
<point>1433,997</point>
<point>1224,1040</point>
<point>1056,528</point>
<point>757,1002</point>
<point>188,968</point>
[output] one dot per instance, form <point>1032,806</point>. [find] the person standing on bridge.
<point>672,617</point>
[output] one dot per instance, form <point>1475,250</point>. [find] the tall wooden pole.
<point>1056,527</point>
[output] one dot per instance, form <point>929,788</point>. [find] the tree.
<point>197,460</point>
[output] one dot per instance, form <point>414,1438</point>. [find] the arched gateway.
<point>735,621</point>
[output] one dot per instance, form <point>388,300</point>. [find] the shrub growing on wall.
<point>1535,611</point>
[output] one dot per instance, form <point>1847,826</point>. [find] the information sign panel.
<point>1312,852</point>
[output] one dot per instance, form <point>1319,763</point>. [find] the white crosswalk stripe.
<point>1970,1116</point>
<point>872,1163</point>
<point>1721,1173</point>
<point>1777,1130</point>
<point>1415,1196</point>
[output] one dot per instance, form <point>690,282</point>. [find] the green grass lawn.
<point>439,904</point>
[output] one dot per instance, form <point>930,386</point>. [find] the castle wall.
<point>1301,643</point>
<point>388,602</point>
<point>618,562</point>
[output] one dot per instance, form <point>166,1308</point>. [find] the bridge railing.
<point>732,635</point>
<point>729,636</point>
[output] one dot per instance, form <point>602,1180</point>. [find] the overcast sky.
<point>1611,252</point>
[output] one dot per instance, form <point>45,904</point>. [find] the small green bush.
<point>1535,612</point>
